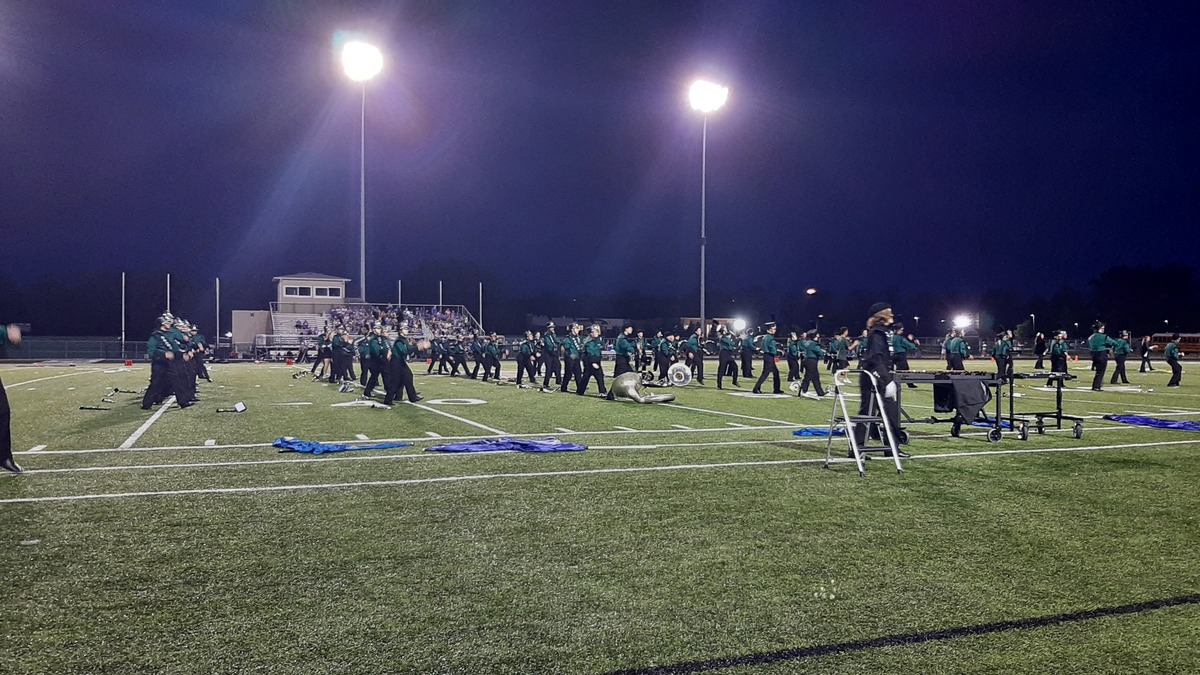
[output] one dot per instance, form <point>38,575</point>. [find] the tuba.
<point>679,374</point>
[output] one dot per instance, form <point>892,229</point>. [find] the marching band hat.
<point>769,325</point>
<point>879,307</point>
<point>165,318</point>
<point>550,325</point>
<point>1174,336</point>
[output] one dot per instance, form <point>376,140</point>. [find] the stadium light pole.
<point>705,97</point>
<point>362,61</point>
<point>1033,318</point>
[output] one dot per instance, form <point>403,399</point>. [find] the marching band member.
<point>727,347</point>
<point>794,348</point>
<point>695,350</point>
<point>1173,356</point>
<point>747,353</point>
<point>572,346</point>
<point>525,358</point>
<point>591,362</point>
<point>10,334</point>
<point>626,349</point>
<point>812,362</point>
<point>770,350</point>
<point>1039,350</point>
<point>666,355</point>
<point>841,349</point>
<point>1120,353</point>
<point>1146,348</point>
<point>1099,344</point>
<point>901,346</point>
<point>400,378</point>
<point>550,347</point>
<point>1059,351</point>
<point>1002,352</point>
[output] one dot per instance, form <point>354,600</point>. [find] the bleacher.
<point>284,324</point>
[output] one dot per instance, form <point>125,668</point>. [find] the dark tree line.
<point>1143,300</point>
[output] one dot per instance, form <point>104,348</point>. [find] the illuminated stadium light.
<point>361,60</point>
<point>739,325</point>
<point>962,321</point>
<point>811,291</point>
<point>706,96</point>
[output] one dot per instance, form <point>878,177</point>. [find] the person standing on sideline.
<point>877,360</point>
<point>1121,352</point>
<point>770,351</point>
<point>1173,356</point>
<point>1099,344</point>
<point>1039,350</point>
<point>1145,351</point>
<point>10,334</point>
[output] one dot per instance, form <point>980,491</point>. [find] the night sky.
<point>934,144</point>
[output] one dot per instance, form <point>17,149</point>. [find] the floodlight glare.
<point>739,325</point>
<point>706,96</point>
<point>962,321</point>
<point>361,61</point>
<point>811,291</point>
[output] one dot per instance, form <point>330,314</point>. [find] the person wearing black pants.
<point>1039,350</point>
<point>747,354</point>
<point>770,350</point>
<point>572,351</point>
<point>812,366</point>
<point>877,360</point>
<point>726,347</point>
<point>794,348</point>
<point>1173,355</point>
<point>591,363</point>
<point>157,348</point>
<point>901,346</point>
<point>9,335</point>
<point>399,381</point>
<point>1002,352</point>
<point>525,358</point>
<point>1058,355</point>
<point>550,347</point>
<point>1145,352</point>
<point>695,347</point>
<point>1120,353</point>
<point>1099,344</point>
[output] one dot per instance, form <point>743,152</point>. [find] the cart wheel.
<point>1078,430</point>
<point>1023,431</point>
<point>902,437</point>
<point>954,430</point>
<point>994,436</point>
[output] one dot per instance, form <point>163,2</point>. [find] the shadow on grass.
<point>909,638</point>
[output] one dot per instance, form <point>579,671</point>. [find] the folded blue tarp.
<point>318,448</point>
<point>818,431</point>
<point>991,423</point>
<point>509,444</point>
<point>1182,425</point>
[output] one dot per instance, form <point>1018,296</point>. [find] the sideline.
<point>559,474</point>
<point>11,385</point>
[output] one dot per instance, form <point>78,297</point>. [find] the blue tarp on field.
<point>509,444</point>
<point>818,431</point>
<point>319,448</point>
<point>1157,423</point>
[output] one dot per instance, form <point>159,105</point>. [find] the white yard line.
<point>146,425</point>
<point>558,474</point>
<point>563,430</point>
<point>433,434</point>
<point>37,448</point>
<point>624,429</point>
<point>681,426</point>
<point>810,440</point>
<point>735,424</point>
<point>460,419</point>
<point>729,414</point>
<point>52,377</point>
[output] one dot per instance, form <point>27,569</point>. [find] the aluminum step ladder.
<point>874,421</point>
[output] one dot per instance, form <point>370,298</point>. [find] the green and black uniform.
<point>748,356</point>
<point>400,377</point>
<point>1173,355</point>
<point>572,372</point>
<point>795,347</point>
<point>625,351</point>
<point>726,348</point>
<point>1121,351</point>
<point>812,367</point>
<point>591,365</point>
<point>665,356</point>
<point>1058,357</point>
<point>770,351</point>
<point>1099,344</point>
<point>550,345</point>
<point>1002,352</point>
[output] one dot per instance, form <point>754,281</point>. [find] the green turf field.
<point>696,537</point>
